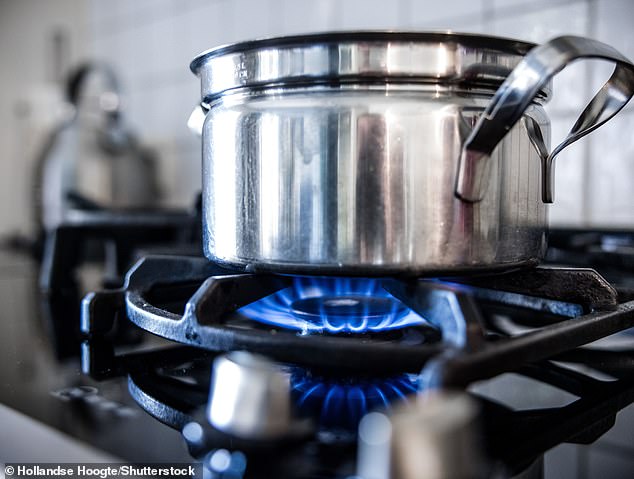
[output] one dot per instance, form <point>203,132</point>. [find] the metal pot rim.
<point>361,56</point>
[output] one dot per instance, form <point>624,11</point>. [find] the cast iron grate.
<point>460,342</point>
<point>172,385</point>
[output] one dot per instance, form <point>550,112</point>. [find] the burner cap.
<point>357,313</point>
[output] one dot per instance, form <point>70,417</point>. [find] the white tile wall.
<point>538,24</point>
<point>29,94</point>
<point>460,16</point>
<point>611,169</point>
<point>613,25</point>
<point>368,14</point>
<point>151,42</point>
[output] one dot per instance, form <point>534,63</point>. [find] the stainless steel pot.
<point>382,153</point>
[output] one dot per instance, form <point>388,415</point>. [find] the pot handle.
<point>515,95</point>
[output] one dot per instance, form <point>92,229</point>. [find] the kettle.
<point>92,160</point>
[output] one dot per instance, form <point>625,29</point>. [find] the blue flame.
<point>342,402</point>
<point>349,305</point>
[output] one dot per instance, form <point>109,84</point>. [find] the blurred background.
<point>149,44</point>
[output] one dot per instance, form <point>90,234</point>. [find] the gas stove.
<point>344,377</point>
<point>344,349</point>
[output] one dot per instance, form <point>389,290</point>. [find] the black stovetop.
<point>137,409</point>
<point>37,384</point>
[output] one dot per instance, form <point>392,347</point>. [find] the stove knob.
<point>435,438</point>
<point>249,397</point>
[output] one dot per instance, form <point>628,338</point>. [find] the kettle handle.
<point>515,95</point>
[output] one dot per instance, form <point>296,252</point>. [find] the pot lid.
<point>465,61</point>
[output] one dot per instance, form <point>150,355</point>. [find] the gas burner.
<point>173,386</point>
<point>535,327</point>
<point>184,408</point>
<point>340,403</point>
<point>194,302</point>
<point>174,393</point>
<point>333,305</point>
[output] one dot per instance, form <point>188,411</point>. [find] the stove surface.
<point>54,392</point>
<point>143,398</point>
